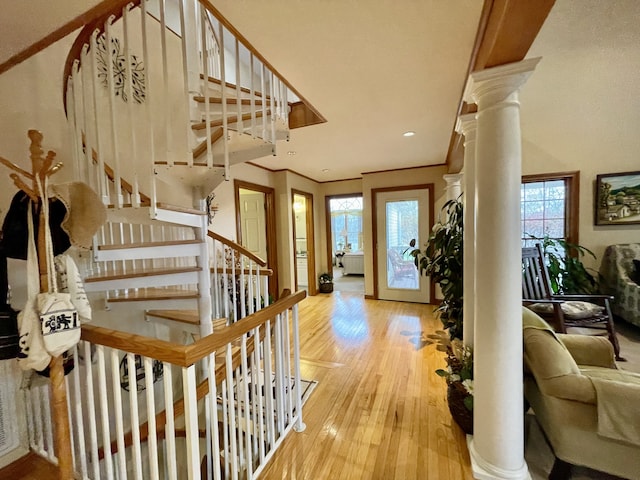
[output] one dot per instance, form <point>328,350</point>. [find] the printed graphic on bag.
<point>53,322</point>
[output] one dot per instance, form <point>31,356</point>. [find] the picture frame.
<point>617,199</point>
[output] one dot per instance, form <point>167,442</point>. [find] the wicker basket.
<point>456,393</point>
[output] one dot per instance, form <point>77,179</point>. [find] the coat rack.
<point>43,167</point>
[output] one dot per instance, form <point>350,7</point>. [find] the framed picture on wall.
<point>617,199</point>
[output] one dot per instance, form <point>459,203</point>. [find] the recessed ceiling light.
<point>408,134</point>
<point>291,152</point>
<point>325,170</point>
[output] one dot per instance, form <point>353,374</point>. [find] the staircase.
<point>162,99</point>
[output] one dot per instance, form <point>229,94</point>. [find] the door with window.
<point>401,215</point>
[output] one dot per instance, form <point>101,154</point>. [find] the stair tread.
<point>147,272</point>
<point>233,86</point>
<point>230,100</point>
<point>156,293</point>
<point>232,119</point>
<point>149,244</point>
<point>184,316</point>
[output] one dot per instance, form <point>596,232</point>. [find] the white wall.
<point>621,158</point>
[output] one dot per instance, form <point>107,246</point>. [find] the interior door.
<point>252,215</point>
<point>402,215</point>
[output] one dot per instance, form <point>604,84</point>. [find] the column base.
<point>483,470</point>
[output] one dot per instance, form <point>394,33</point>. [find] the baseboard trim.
<point>370,297</point>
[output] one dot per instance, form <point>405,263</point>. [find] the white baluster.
<point>79,419</point>
<point>239,127</point>
<point>91,410</point>
<point>135,156</point>
<point>112,114</point>
<point>152,440</point>
<point>223,80</point>
<point>168,115</point>
<point>104,411</point>
<point>121,456</point>
<point>170,433</point>
<point>149,98</point>
<point>135,417</point>
<point>103,182</point>
<point>300,426</point>
<point>191,421</point>
<point>207,106</point>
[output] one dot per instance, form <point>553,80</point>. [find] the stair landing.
<point>29,467</point>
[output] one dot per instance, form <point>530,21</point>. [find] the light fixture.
<point>409,134</point>
<point>291,152</point>
<point>325,170</point>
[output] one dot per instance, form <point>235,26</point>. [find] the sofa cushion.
<point>571,309</point>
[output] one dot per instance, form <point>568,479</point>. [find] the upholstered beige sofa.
<point>588,410</point>
<point>619,277</point>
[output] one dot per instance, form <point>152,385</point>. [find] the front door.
<point>401,215</point>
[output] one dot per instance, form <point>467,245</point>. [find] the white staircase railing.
<point>145,408</point>
<point>163,86</point>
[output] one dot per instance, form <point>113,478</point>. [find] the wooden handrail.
<point>187,355</point>
<point>238,247</point>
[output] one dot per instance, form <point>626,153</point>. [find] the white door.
<point>401,216</point>
<point>253,221</point>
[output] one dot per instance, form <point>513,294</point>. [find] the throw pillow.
<point>572,309</point>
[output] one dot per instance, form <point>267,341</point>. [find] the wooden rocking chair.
<point>563,311</point>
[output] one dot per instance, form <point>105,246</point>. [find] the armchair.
<point>620,277</point>
<point>585,406</point>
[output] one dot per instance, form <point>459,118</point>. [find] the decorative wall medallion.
<point>119,70</point>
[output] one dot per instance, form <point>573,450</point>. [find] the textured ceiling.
<point>373,69</point>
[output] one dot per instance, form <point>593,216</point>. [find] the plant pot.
<point>456,393</point>
<point>326,287</point>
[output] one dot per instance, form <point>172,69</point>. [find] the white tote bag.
<point>32,354</point>
<point>59,319</point>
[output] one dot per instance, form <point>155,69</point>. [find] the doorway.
<point>345,241</point>
<point>401,214</point>
<point>255,225</point>
<point>303,241</point>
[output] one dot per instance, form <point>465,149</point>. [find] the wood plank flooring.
<point>379,410</point>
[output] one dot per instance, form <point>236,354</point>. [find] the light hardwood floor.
<point>379,411</point>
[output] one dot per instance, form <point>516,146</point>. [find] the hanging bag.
<point>32,354</point>
<point>59,318</point>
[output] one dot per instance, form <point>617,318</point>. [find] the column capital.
<point>466,125</point>
<point>452,179</point>
<point>492,85</point>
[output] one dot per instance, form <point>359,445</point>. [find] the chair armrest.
<point>584,297</point>
<point>589,350</point>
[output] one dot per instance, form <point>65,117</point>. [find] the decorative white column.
<point>466,125</point>
<point>497,447</point>
<point>453,189</point>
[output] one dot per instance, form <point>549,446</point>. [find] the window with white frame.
<point>346,223</point>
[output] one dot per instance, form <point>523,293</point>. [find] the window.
<point>549,206</point>
<point>346,223</point>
